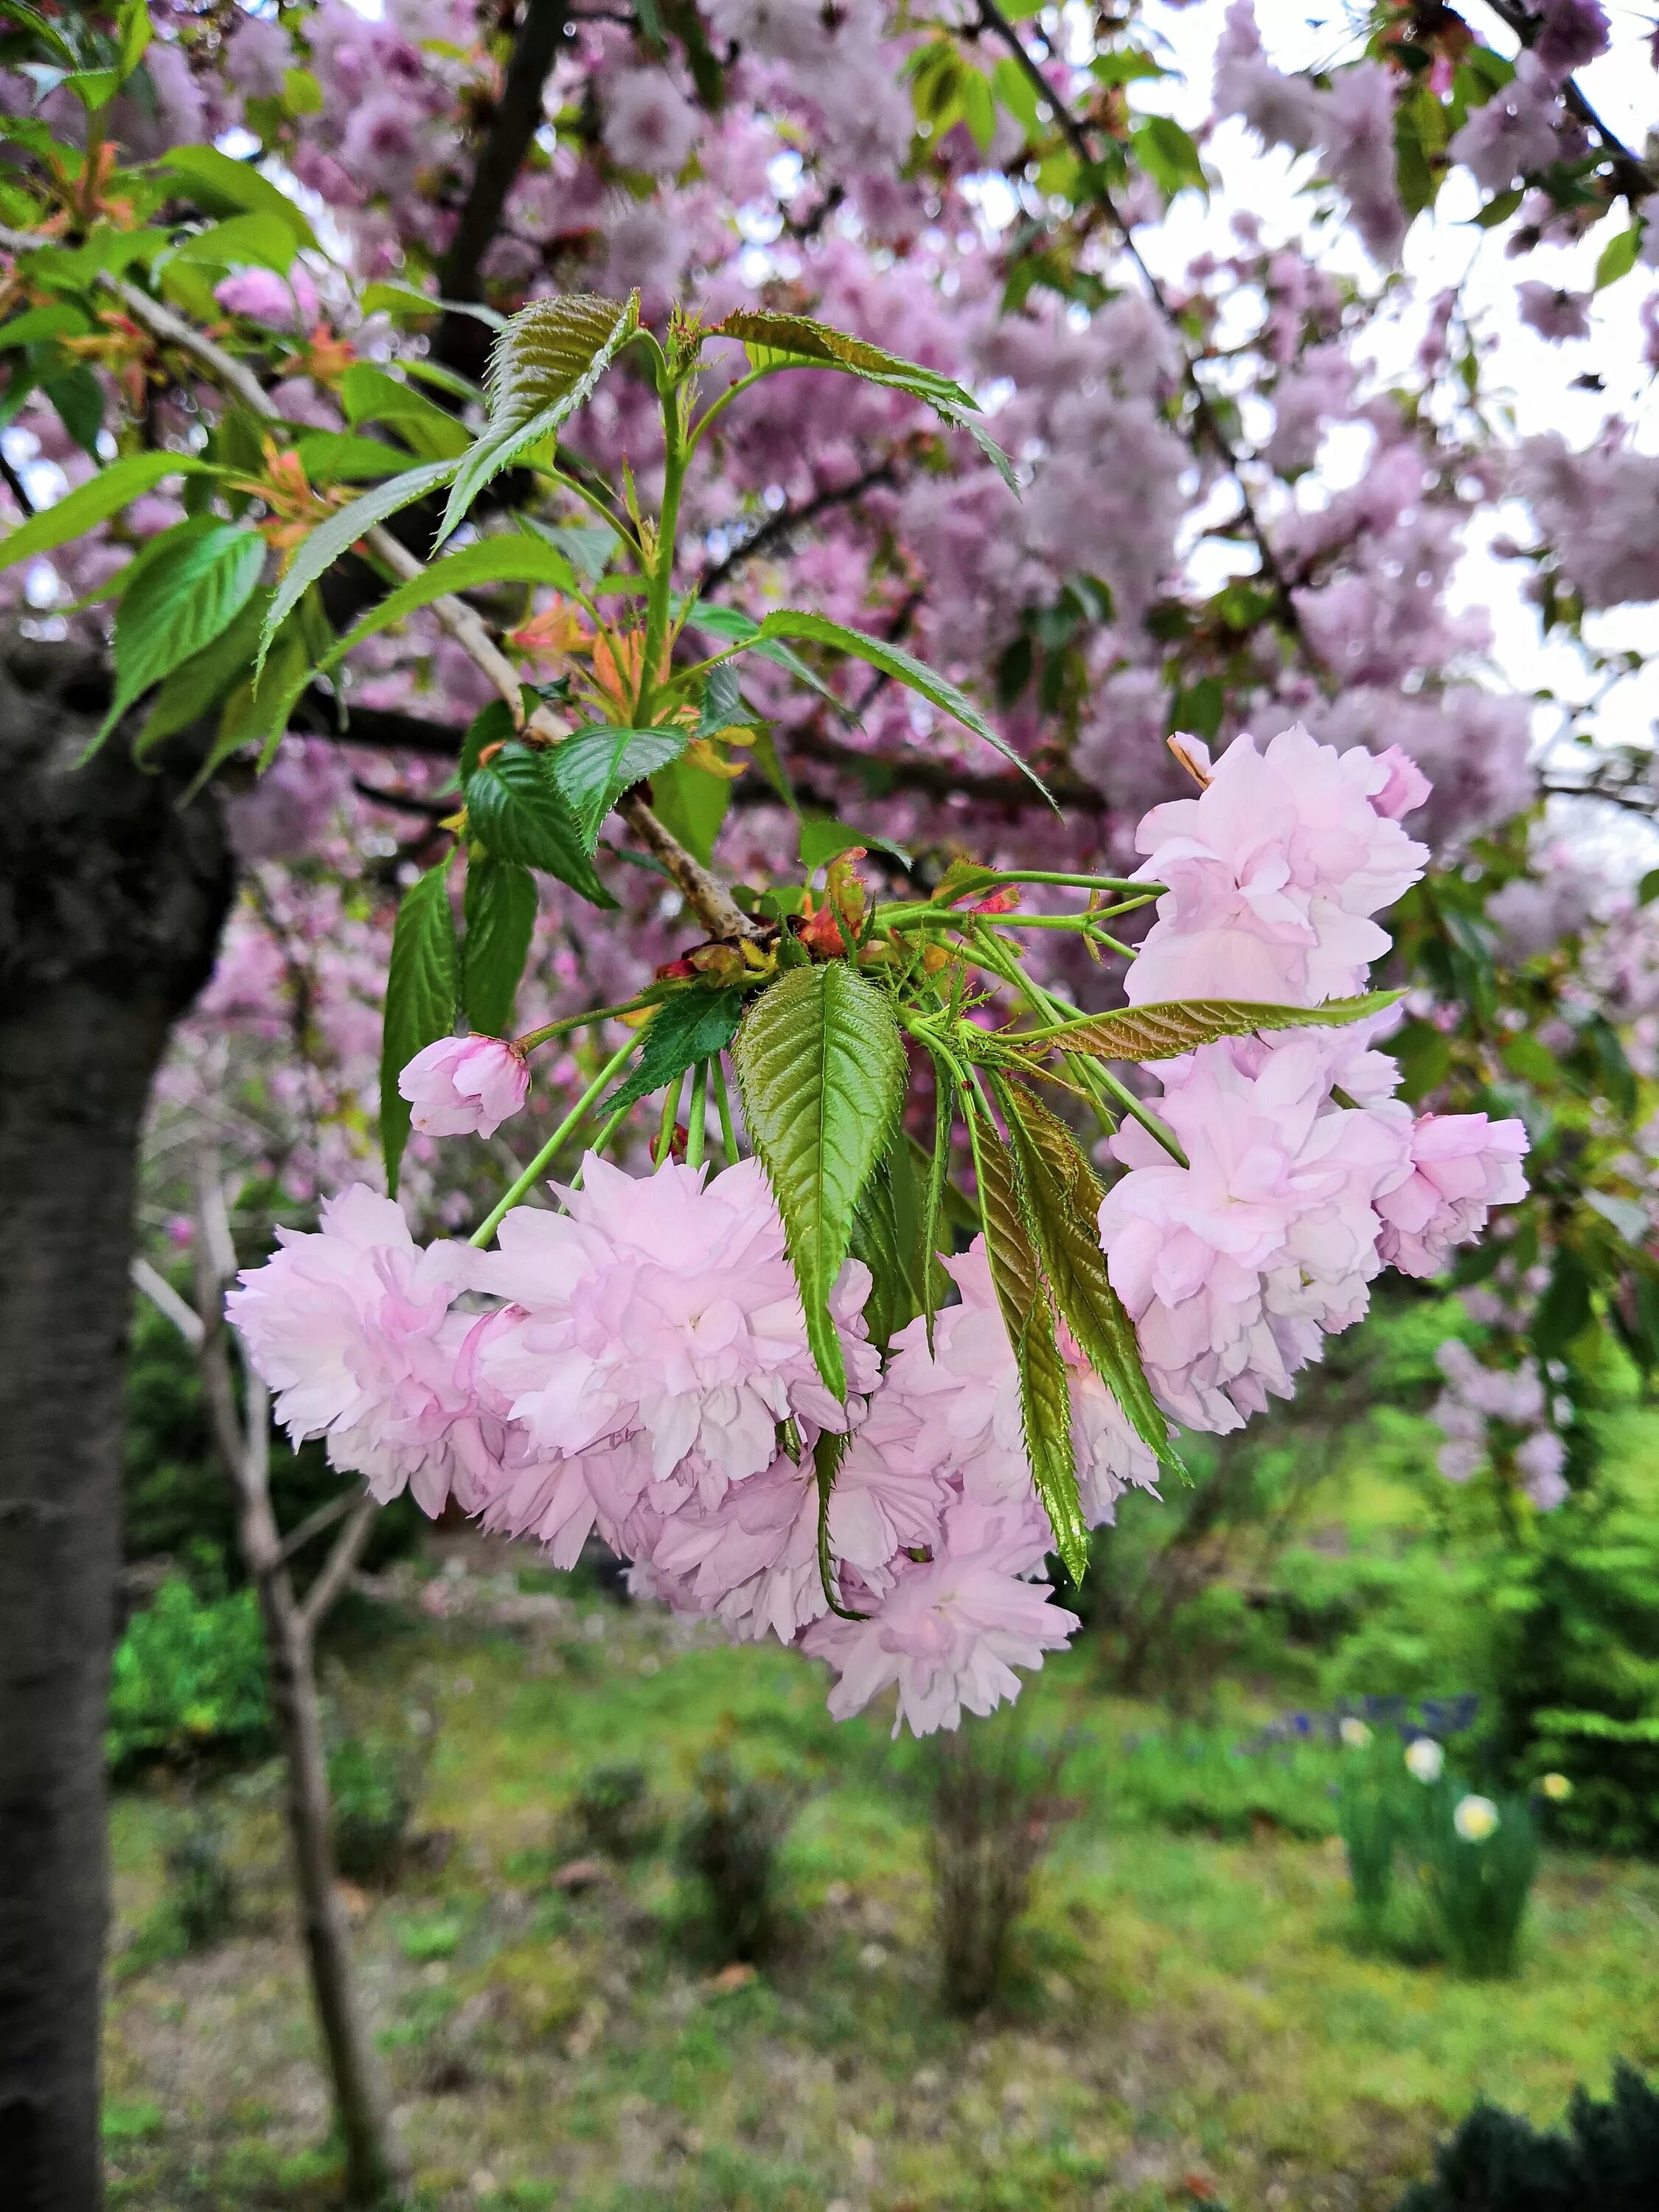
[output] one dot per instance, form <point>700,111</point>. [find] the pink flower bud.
<point>1406,786</point>
<point>465,1086</point>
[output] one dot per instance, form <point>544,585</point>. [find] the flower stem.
<point>533,1037</point>
<point>543,1159</point>
<point>671,1114</point>
<point>722,1100</point>
<point>697,1116</point>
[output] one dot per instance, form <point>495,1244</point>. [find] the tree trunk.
<point>112,898</point>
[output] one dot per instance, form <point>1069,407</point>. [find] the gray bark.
<point>111,899</point>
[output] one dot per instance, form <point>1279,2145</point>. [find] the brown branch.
<point>1636,180</point>
<point>512,129</point>
<point>336,1570</point>
<point>992,19</point>
<point>789,517</point>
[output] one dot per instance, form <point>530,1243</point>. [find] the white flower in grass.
<point>1475,1819</point>
<point>1556,1788</point>
<point>1354,1733</point>
<point>1425,1758</point>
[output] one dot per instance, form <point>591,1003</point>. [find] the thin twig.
<point>168,1303</point>
<point>336,1568</point>
<point>314,1524</point>
<point>789,517</point>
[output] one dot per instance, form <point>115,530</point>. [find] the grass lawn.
<point>1192,2023</point>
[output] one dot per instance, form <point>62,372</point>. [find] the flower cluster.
<point>1501,1415</point>
<point>1304,1175</point>
<point>636,1365</point>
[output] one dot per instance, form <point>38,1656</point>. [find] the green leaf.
<point>507,560</point>
<point>204,678</point>
<point>1500,208</point>
<point>938,1172</point>
<point>782,341</point>
<point>94,501</point>
<point>822,839</point>
<point>1169,156</point>
<point>340,533</point>
<point>739,629</point>
<point>220,185</point>
<point>691,805</point>
<point>336,457</point>
<point>36,325</point>
<point>369,395</point>
<point>404,299</point>
<point>904,668</point>
<point>263,240</point>
<point>515,807</point>
<point>1061,1203</point>
<point>545,364</point>
<point>886,1236</point>
<point>594,767</point>
<point>1045,1395</point>
<point>421,986</point>
<point>1618,256</point>
<point>694,1025</point>
<point>185,598</point>
<point>821,1069</point>
<point>500,918</point>
<point>79,398</point>
<point>1178,1025</point>
<point>722,701</point>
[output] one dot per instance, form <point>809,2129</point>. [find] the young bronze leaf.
<point>1061,1202</point>
<point>421,986</point>
<point>1162,1031</point>
<point>821,1065</point>
<point>545,364</point>
<point>1045,1397</point>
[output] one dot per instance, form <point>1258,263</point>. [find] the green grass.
<point>1190,2004</point>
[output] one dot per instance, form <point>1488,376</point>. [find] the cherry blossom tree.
<point>669,545</point>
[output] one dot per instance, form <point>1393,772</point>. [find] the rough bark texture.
<point>110,904</point>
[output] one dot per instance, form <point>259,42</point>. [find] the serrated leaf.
<point>94,501</point>
<point>594,767</point>
<point>783,340</point>
<point>187,595</point>
<point>508,560</point>
<point>1045,1393</point>
<point>342,530</point>
<point>822,839</point>
<point>939,1171</point>
<point>1061,1204</point>
<point>694,1025</point>
<point>544,365</point>
<point>500,907</point>
<point>423,984</point>
<point>1176,1025</point>
<point>722,696</point>
<point>218,183</point>
<point>369,395</point>
<point>821,1065</point>
<point>877,1240</point>
<point>202,680</point>
<point>739,629</point>
<point>515,807</point>
<point>904,668</point>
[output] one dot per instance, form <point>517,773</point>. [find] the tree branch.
<point>1636,180</point>
<point>992,19</point>
<point>795,518</point>
<point>512,128</point>
<point>336,1568</point>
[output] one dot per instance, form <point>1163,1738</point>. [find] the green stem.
<point>590,499</point>
<point>543,1159</point>
<point>533,1037</point>
<point>671,1114</point>
<point>722,1100</point>
<point>733,392</point>
<point>1042,1002</point>
<point>603,1140</point>
<point>698,1115</point>
<point>660,591</point>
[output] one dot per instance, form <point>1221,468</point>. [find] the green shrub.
<point>1197,1780</point>
<point>1614,1768</point>
<point>189,1676</point>
<point>1606,2162</point>
<point>613,1812</point>
<point>729,1851</point>
<point>373,1786</point>
<point>200,1886</point>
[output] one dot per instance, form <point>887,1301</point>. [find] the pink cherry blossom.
<point>1462,1166</point>
<point>1540,1461</point>
<point>465,1086</point>
<point>952,1630</point>
<point>280,303</point>
<point>1272,872</point>
<point>648,123</point>
<point>353,1327</point>
<point>663,1304</point>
